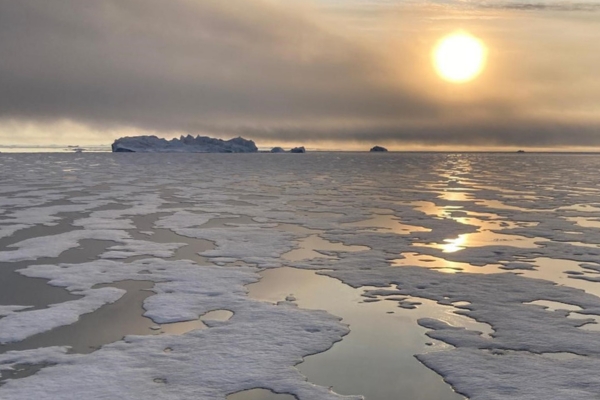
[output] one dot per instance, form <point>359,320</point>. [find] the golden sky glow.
<point>326,74</point>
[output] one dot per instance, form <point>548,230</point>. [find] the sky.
<point>323,73</point>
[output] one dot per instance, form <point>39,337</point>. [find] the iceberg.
<point>298,150</point>
<point>185,144</point>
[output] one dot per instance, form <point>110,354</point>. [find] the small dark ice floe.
<point>298,150</point>
<point>378,149</point>
<point>277,150</point>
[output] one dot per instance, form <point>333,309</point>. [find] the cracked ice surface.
<point>503,214</point>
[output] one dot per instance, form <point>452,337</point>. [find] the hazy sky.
<point>328,73</point>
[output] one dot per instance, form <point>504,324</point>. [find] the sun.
<point>459,57</point>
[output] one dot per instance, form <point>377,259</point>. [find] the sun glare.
<point>459,57</point>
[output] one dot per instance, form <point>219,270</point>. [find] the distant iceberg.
<point>185,144</point>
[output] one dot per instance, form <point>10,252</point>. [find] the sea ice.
<point>445,196</point>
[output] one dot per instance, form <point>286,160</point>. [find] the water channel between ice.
<point>376,359</point>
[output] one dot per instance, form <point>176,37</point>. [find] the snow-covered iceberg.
<point>185,144</point>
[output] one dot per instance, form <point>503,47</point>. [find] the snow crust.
<point>444,197</point>
<point>7,310</point>
<point>54,245</point>
<point>21,325</point>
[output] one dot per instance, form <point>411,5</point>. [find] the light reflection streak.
<point>443,265</point>
<point>459,189</point>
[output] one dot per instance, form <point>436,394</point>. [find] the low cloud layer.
<point>544,6</point>
<point>276,71</point>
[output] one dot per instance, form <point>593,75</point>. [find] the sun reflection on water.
<point>454,245</point>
